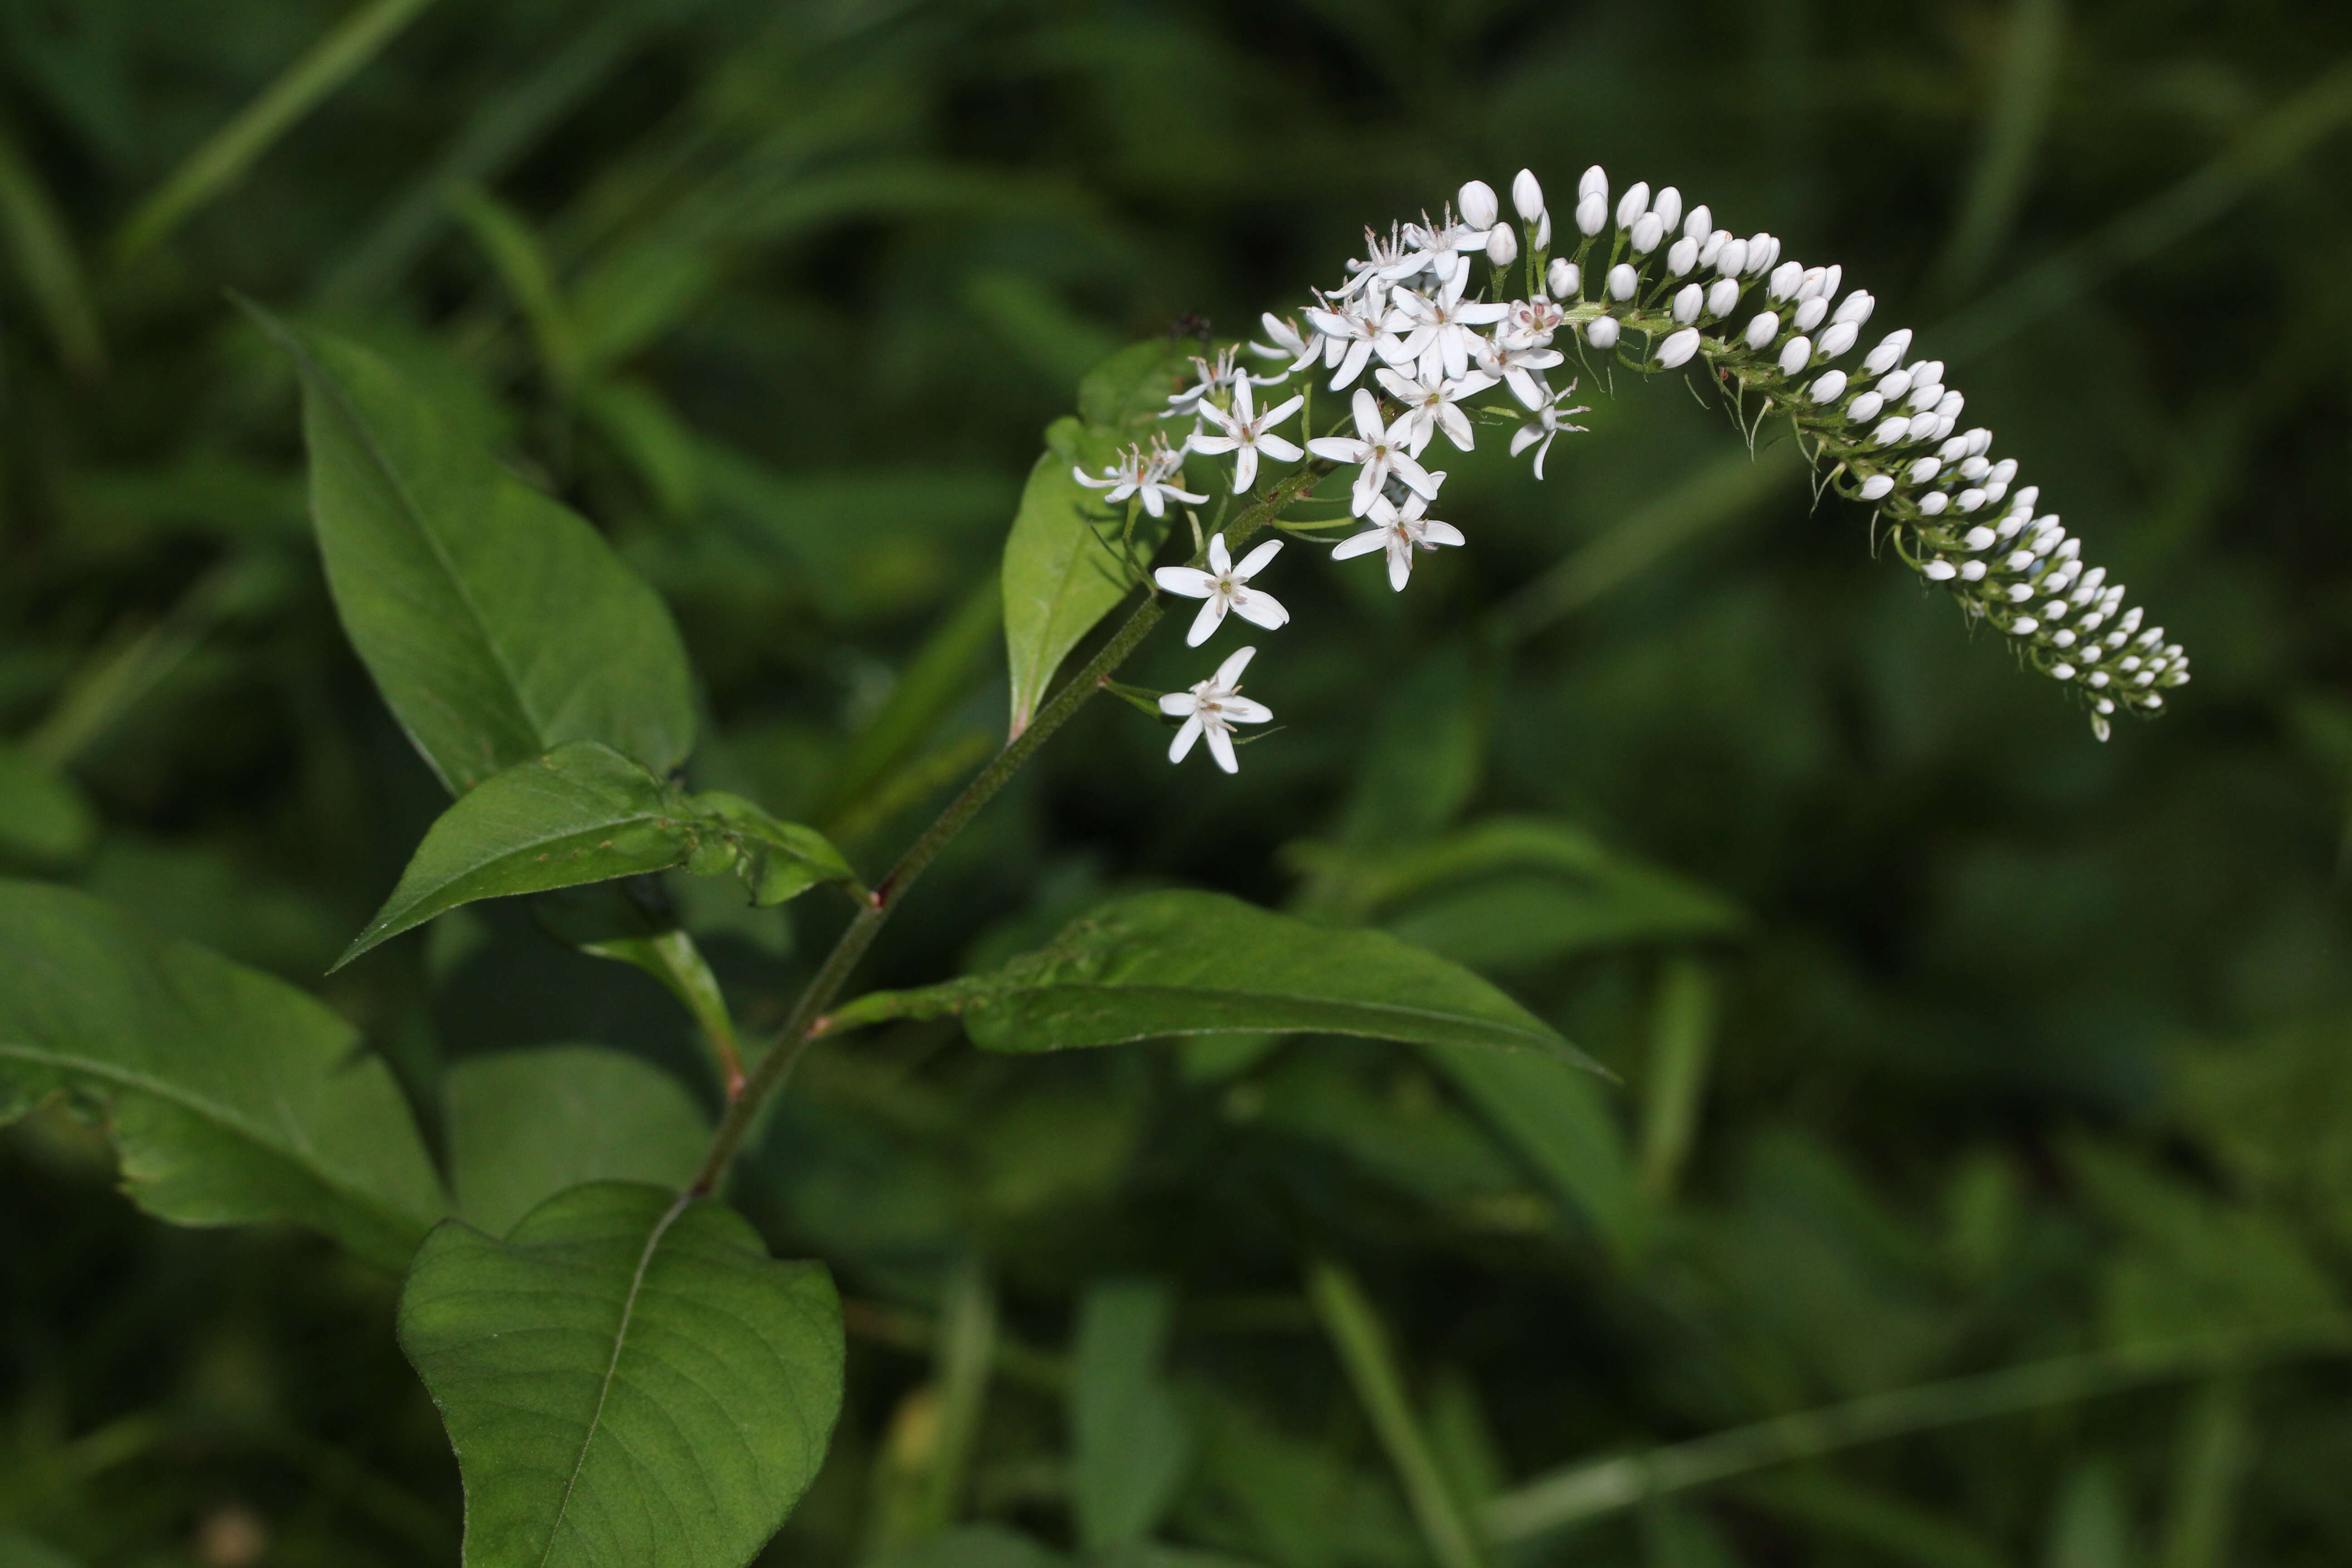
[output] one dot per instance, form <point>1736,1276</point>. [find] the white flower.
<point>1534,320</point>
<point>1399,531</point>
<point>1514,362</point>
<point>1442,335</point>
<point>1287,342</point>
<point>1225,586</point>
<point>1432,403</point>
<point>1212,708</point>
<point>1437,250</point>
<point>1143,473</point>
<point>1384,451</point>
<point>1353,333</point>
<point>1526,195</point>
<point>1214,378</point>
<point>1246,434</point>
<point>1546,423</point>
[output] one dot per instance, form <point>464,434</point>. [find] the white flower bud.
<point>1980,442</point>
<point>2062,637</point>
<point>1687,301</point>
<point>1699,224</point>
<point>1939,571</point>
<point>2092,578</point>
<point>1563,279</point>
<point>1864,409</point>
<point>1979,537</point>
<point>1927,394</point>
<point>1926,468</point>
<point>1623,281</point>
<point>1593,182</point>
<point>1809,312</point>
<point>2019,560</point>
<point>1527,192</point>
<point>1889,352</point>
<point>1601,332</point>
<point>1948,407</point>
<point>1830,387</point>
<point>2061,670</point>
<point>1810,287</point>
<point>1723,297</point>
<point>1855,308</point>
<point>1831,277</point>
<point>1543,231</point>
<point>1894,383</point>
<point>1933,503</point>
<point>2006,470</point>
<point>1974,468</point>
<point>1968,500</point>
<point>1795,354</point>
<point>1890,431</point>
<point>1972,570</point>
<point>2096,677</point>
<point>1763,328</point>
<point>1632,203</point>
<point>1763,253</point>
<point>2130,623</point>
<point>1669,208</point>
<point>1678,348</point>
<point>1682,255</point>
<point>1502,245</point>
<point>1953,450</point>
<point>1837,338</point>
<point>1479,208</point>
<point>1925,370</point>
<point>1647,232</point>
<point>1712,247</point>
<point>1732,259</point>
<point>1994,490</point>
<point>1785,278</point>
<point>1876,486</point>
<point>1591,214</point>
<point>2020,592</point>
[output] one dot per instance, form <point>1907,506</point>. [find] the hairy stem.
<point>808,1013</point>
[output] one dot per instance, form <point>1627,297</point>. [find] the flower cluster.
<point>1653,286</point>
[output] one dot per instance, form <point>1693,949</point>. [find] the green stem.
<point>807,1017</point>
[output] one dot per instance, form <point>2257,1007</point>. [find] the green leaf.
<point>1556,1118</point>
<point>524,1125</point>
<point>777,859</point>
<point>628,1379</point>
<point>44,816</point>
<point>584,813</point>
<point>1184,962</point>
<point>496,623</point>
<point>233,1099</point>
<point>1132,1446</point>
<point>1060,579</point>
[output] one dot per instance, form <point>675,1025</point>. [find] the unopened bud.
<point>1601,332</point>
<point>1889,352</point>
<point>1732,259</point>
<point>1809,312</point>
<point>1855,308</point>
<point>1668,205</point>
<point>1723,295</point>
<point>1837,338</point>
<point>1594,182</point>
<point>1632,203</point>
<point>1876,486</point>
<point>1647,232</point>
<point>1698,223</point>
<point>1502,245</point>
<point>1623,281</point>
<point>1678,348</point>
<point>1687,301</point>
<point>1762,330</point>
<point>1527,192</point>
<point>1939,571</point>
<point>1830,387</point>
<point>1682,255</point>
<point>1479,208</point>
<point>1795,355</point>
<point>1592,215</point>
<point>1563,279</point>
<point>1785,278</point>
<point>1864,409</point>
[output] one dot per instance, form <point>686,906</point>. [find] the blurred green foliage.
<point>1984,1089</point>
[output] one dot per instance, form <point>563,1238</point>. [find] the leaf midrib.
<point>611,1368</point>
<point>1219,994</point>
<point>211,1111</point>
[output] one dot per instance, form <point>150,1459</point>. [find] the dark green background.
<point>2029,1045</point>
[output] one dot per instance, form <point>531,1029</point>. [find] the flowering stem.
<point>807,1018</point>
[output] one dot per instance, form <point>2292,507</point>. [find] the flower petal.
<point>1221,747</point>
<point>1175,702</point>
<point>1229,674</point>
<point>1399,564</point>
<point>1243,710</point>
<point>1205,624</point>
<point>1256,605</point>
<point>1356,544</point>
<point>1190,581</point>
<point>1214,446</point>
<point>1256,560</point>
<point>1279,449</point>
<point>1189,732</point>
<point>1437,532</point>
<point>1221,559</point>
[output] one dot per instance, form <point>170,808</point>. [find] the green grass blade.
<point>2019,115</point>
<point>218,164</point>
<point>45,256</point>
<point>1364,1349</point>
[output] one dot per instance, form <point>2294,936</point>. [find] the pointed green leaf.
<point>582,812</point>
<point>1060,579</point>
<point>1184,962</point>
<point>43,816</point>
<point>233,1099</point>
<point>629,1380</point>
<point>525,1125</point>
<point>496,623</point>
<point>779,859</point>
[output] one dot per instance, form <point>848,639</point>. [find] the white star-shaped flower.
<point>1212,708</point>
<point>1225,586</point>
<point>1544,423</point>
<point>1515,362</point>
<point>1215,377</point>
<point>1353,333</point>
<point>1246,434</point>
<point>1286,341</point>
<point>1400,530</point>
<point>1384,450</point>
<point>1432,405</point>
<point>1141,472</point>
<point>1442,335</point>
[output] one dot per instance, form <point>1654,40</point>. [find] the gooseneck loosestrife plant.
<point>626,1374</point>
